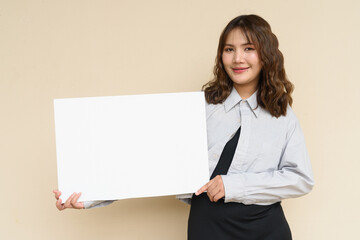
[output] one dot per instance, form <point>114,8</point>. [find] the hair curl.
<point>274,89</point>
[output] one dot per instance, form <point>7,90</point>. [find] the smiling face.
<point>241,63</point>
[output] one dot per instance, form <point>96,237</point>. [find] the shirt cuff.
<point>233,189</point>
<point>96,204</point>
<point>186,198</point>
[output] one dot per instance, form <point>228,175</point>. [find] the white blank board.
<point>132,146</point>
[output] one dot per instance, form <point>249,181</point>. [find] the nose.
<point>238,57</point>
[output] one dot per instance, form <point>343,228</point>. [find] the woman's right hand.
<point>71,202</point>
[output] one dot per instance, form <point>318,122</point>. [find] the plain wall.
<point>56,49</point>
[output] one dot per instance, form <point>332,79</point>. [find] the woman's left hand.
<point>215,189</point>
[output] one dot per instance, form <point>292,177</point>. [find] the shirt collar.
<point>234,98</point>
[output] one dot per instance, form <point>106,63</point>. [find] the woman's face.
<point>241,62</point>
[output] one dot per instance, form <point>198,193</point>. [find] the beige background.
<point>52,49</point>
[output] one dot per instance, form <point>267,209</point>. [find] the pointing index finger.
<point>202,189</point>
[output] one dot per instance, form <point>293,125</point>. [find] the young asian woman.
<point>257,152</point>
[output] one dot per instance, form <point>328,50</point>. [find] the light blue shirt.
<point>271,161</point>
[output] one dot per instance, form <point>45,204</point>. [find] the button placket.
<point>243,144</point>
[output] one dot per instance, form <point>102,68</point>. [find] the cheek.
<point>226,59</point>
<point>255,61</point>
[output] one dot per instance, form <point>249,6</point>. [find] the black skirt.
<point>227,221</point>
<point>234,221</point>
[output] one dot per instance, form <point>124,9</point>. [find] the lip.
<point>240,69</point>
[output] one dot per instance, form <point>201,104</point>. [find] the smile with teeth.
<point>240,69</point>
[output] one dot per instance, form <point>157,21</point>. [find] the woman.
<point>257,152</point>
<point>265,159</point>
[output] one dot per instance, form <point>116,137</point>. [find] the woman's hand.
<point>71,202</point>
<point>215,189</point>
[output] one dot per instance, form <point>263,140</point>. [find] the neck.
<point>245,92</point>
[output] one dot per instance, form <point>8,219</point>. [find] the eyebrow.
<point>244,44</point>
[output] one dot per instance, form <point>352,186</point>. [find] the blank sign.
<point>131,146</point>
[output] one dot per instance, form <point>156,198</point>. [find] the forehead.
<point>237,36</point>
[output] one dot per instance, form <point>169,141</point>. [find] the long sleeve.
<point>292,178</point>
<point>96,204</point>
<point>271,161</point>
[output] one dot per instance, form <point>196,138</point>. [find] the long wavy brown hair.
<point>274,89</point>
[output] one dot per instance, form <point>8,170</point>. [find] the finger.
<point>74,201</point>
<point>80,205</point>
<point>218,196</point>
<point>212,187</point>
<point>59,205</point>
<point>203,189</point>
<point>75,198</point>
<point>209,196</point>
<point>67,204</point>
<point>212,193</point>
<point>218,192</point>
<point>57,194</point>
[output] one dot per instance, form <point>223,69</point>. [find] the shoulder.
<point>292,123</point>
<point>290,114</point>
<point>289,117</point>
<point>284,125</point>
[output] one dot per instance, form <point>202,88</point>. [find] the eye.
<point>249,49</point>
<point>228,49</point>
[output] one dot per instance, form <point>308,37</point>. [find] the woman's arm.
<point>292,178</point>
<point>72,202</point>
